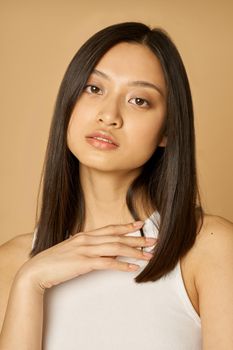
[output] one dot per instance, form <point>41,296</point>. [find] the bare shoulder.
<point>217,223</point>
<point>215,233</point>
<point>214,281</point>
<point>17,248</point>
<point>13,254</point>
<point>214,239</point>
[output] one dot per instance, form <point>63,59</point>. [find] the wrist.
<point>25,279</point>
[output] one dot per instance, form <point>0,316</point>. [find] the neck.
<point>105,197</point>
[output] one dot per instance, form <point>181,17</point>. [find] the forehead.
<point>132,61</point>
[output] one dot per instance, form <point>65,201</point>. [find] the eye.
<point>138,99</point>
<point>93,88</point>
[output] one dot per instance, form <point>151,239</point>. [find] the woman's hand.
<point>85,252</point>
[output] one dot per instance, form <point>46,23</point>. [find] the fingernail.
<point>149,255</point>
<point>133,267</point>
<point>138,223</point>
<point>151,239</point>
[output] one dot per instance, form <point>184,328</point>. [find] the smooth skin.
<point>85,252</point>
<point>134,115</point>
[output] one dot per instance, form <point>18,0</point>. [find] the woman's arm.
<point>18,300</point>
<point>214,281</point>
<point>78,255</point>
<point>23,322</point>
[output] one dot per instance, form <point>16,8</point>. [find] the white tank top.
<point>107,309</point>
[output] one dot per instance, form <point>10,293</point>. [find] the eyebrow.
<point>132,83</point>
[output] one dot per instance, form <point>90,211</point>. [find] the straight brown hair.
<point>168,179</point>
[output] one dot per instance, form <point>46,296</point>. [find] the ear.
<point>163,142</point>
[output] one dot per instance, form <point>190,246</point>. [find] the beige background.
<point>38,40</point>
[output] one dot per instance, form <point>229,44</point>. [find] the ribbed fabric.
<point>107,309</point>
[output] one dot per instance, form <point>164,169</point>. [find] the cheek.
<point>146,135</point>
<point>77,124</point>
<point>73,132</point>
<point>147,143</point>
<point>141,145</point>
<point>148,132</point>
<point>70,131</point>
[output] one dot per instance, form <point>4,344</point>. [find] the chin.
<point>97,164</point>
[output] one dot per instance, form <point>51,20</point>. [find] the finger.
<point>138,241</point>
<point>112,249</point>
<point>115,229</point>
<point>112,264</point>
<point>86,239</point>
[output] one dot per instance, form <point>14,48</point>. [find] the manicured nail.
<point>149,255</point>
<point>138,223</point>
<point>151,240</point>
<point>133,267</point>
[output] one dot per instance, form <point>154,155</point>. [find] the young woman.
<point>121,149</point>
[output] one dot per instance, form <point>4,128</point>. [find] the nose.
<point>110,115</point>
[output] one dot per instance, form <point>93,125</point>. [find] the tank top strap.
<point>183,294</point>
<point>34,237</point>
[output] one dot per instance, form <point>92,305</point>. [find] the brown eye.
<point>141,101</point>
<point>93,88</point>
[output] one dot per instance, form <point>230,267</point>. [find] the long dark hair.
<point>168,179</point>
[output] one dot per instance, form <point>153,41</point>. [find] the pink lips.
<point>102,145</point>
<point>103,135</point>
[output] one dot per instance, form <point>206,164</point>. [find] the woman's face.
<point>133,114</point>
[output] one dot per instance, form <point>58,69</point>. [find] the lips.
<point>103,135</point>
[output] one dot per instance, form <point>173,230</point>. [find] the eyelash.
<point>148,104</point>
